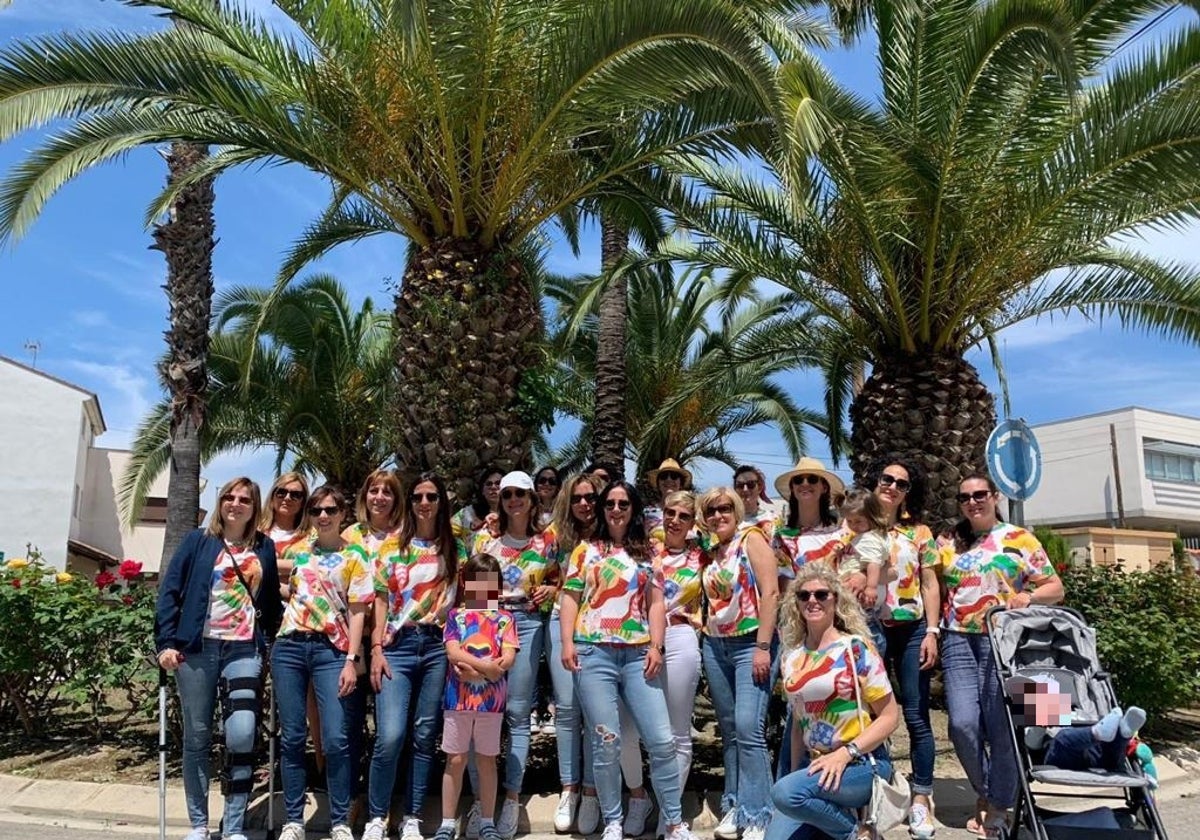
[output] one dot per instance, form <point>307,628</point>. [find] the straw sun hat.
<point>808,466</point>
<point>669,465</point>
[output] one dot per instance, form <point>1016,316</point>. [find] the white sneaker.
<point>510,811</point>
<point>292,831</point>
<point>375,830</point>
<point>727,828</point>
<point>338,832</point>
<point>613,831</point>
<point>681,832</point>
<point>564,814</point>
<point>588,818</point>
<point>197,834</point>
<point>548,727</point>
<point>472,822</point>
<point>410,829</point>
<point>753,833</point>
<point>535,725</point>
<point>920,823</point>
<point>635,819</point>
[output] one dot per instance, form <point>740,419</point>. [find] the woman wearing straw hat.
<point>669,478</point>
<point>810,533</point>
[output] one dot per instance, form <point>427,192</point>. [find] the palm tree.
<point>695,373</point>
<point>302,372</point>
<point>463,127</point>
<point>1014,143</point>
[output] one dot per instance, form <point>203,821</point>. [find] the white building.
<point>1154,480</point>
<point>59,488</point>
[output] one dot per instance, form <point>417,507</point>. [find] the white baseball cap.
<point>517,479</point>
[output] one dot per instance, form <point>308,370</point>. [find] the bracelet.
<point>376,645</point>
<point>933,631</point>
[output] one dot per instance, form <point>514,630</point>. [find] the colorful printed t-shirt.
<point>324,584</point>
<point>820,689</point>
<point>524,564</point>
<point>996,567</point>
<point>730,588</point>
<point>612,587</point>
<point>796,546</point>
<point>466,525</point>
<point>482,633</point>
<point>910,549</point>
<point>416,586</point>
<point>284,539</point>
<point>378,544</point>
<point>766,520</point>
<point>230,606</point>
<point>682,589</point>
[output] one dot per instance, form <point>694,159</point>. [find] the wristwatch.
<point>352,657</point>
<point>855,752</point>
<point>661,649</point>
<point>763,645</point>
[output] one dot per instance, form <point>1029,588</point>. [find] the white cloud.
<point>124,393</point>
<point>1041,332</point>
<point>91,319</point>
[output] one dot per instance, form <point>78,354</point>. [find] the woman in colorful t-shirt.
<point>207,630</point>
<point>842,707</point>
<point>986,562</point>
<point>285,520</point>
<point>528,571</point>
<point>751,487</point>
<point>614,626</point>
<point>810,533</point>
<point>473,518</point>
<point>322,629</point>
<point>415,586</point>
<point>909,615</point>
<point>741,590</point>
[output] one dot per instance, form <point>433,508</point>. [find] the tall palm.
<point>462,126</point>
<point>1015,141</point>
<point>303,373</point>
<point>695,373</point>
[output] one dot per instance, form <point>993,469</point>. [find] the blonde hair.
<point>848,616</point>
<point>566,532</point>
<point>392,481</point>
<point>865,502</point>
<point>710,497</point>
<point>267,521</point>
<point>216,525</point>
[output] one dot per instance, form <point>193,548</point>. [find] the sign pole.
<point>1016,512</point>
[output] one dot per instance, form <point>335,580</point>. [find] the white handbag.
<point>890,798</point>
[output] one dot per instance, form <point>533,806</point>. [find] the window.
<point>1170,461</point>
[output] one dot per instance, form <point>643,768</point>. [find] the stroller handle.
<point>989,617</point>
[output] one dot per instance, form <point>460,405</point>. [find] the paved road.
<point>1180,814</point>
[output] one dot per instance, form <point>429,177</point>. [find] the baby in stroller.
<point>1047,717</point>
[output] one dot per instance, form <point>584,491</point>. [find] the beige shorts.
<point>460,728</point>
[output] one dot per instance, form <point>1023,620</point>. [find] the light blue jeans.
<point>978,721</point>
<point>741,707</point>
<point>574,751</point>
<point>297,660</point>
<point>611,672</point>
<point>804,811</point>
<point>417,659</point>
<point>197,680</point>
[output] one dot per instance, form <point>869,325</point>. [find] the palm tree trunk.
<point>187,241</point>
<point>467,328</point>
<point>933,409</point>
<point>608,436</point>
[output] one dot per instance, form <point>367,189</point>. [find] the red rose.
<point>129,570</point>
<point>127,600</point>
<point>105,579</point>
<point>16,582</point>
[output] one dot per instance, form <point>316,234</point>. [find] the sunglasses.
<point>580,498</point>
<point>495,483</point>
<point>616,504</point>
<point>722,509</point>
<point>681,515</point>
<point>328,510</point>
<point>901,484</point>
<point>280,493</point>
<point>977,496</point>
<point>547,479</point>
<point>229,498</point>
<point>514,493</point>
<point>746,485</point>
<point>670,476</point>
<point>423,497</point>
<point>822,595</point>
<point>806,479</point>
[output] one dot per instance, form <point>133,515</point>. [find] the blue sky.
<point>84,286</point>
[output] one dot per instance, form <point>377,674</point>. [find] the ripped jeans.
<point>608,672</point>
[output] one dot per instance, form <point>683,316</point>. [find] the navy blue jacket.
<point>183,594</point>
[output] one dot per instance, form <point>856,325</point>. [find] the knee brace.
<point>231,762</point>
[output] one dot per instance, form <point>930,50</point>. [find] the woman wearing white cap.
<point>528,569</point>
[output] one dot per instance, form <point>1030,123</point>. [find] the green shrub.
<point>1056,546</point>
<point>1147,631</point>
<point>74,644</point>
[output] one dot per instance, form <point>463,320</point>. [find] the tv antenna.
<point>33,347</point>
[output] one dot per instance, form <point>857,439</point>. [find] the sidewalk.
<point>135,807</point>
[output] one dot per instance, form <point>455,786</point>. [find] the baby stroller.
<point>1055,643</point>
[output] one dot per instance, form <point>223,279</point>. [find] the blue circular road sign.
<point>1014,459</point>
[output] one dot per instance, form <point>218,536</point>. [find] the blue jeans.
<point>574,751</point>
<point>611,672</point>
<point>417,659</point>
<point>1075,748</point>
<point>978,722</point>
<point>197,681</point>
<point>904,656</point>
<point>297,660</point>
<point>522,683</point>
<point>741,707</point>
<point>805,812</point>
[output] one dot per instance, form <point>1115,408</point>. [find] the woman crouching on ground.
<point>842,708</point>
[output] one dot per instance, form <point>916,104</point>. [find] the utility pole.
<point>1112,442</point>
<point>33,347</point>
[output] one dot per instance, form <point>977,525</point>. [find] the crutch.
<point>162,754</point>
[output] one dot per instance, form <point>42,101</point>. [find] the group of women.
<point>630,604</point>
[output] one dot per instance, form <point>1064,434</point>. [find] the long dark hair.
<point>964,534</point>
<point>446,545</point>
<point>912,509</point>
<point>479,506</point>
<point>825,505</point>
<point>635,534</point>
